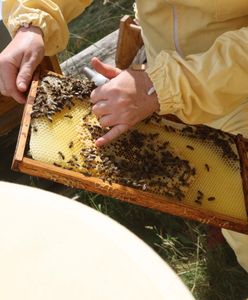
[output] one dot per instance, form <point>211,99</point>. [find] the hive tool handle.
<point>94,76</point>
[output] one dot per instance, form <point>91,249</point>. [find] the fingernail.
<point>100,142</point>
<point>22,86</point>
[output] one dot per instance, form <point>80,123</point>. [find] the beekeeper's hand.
<point>123,101</point>
<point>18,62</point>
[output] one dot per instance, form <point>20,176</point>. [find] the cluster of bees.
<point>55,93</point>
<point>224,141</point>
<point>139,160</point>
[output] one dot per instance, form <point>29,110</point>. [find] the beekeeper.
<point>197,53</point>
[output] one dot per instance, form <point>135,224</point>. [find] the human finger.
<point>8,83</point>
<point>19,97</point>
<point>15,94</point>
<point>112,134</point>
<point>24,77</point>
<point>104,69</point>
<point>113,119</point>
<point>108,121</point>
<point>99,94</point>
<point>101,108</point>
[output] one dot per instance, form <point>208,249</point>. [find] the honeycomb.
<point>197,165</point>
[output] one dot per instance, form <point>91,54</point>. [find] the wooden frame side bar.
<point>242,145</point>
<point>25,123</point>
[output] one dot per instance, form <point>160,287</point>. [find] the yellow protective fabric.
<point>197,55</point>
<point>239,243</point>
<point>51,16</point>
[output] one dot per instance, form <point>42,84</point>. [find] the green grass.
<point>209,273</point>
<point>97,21</point>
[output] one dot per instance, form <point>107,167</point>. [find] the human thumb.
<point>104,69</point>
<point>25,74</point>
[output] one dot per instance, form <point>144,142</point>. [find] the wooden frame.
<point>129,42</point>
<point>131,195</point>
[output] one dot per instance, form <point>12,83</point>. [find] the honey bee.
<point>61,155</point>
<point>190,147</point>
<point>56,164</point>
<point>68,116</point>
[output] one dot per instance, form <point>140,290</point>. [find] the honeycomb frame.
<point>161,203</point>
